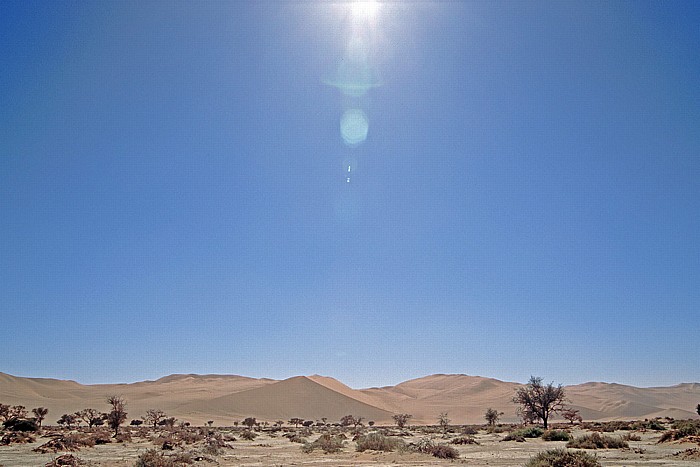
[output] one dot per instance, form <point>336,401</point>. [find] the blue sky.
<point>174,191</point>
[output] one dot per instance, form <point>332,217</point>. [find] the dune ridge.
<point>226,399</point>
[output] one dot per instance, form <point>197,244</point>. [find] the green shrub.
<point>153,458</point>
<point>597,441</point>
<point>556,435</point>
<point>377,442</point>
<point>519,435</point>
<point>563,458</point>
<point>326,442</point>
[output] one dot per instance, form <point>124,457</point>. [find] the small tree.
<point>697,409</point>
<point>443,421</point>
<point>250,422</point>
<point>15,411</point>
<point>348,420</point>
<point>401,419</point>
<point>296,421</point>
<point>117,415</point>
<point>492,415</point>
<point>67,419</point>
<point>40,414</point>
<point>538,400</point>
<point>572,415</point>
<point>90,416</point>
<point>153,417</point>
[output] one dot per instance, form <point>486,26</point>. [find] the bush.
<point>464,440</point>
<point>377,442</point>
<point>556,435</point>
<point>443,451</point>
<point>16,437</point>
<point>21,424</point>
<point>563,458</point>
<point>248,435</point>
<point>521,434</point>
<point>326,442</point>
<point>597,441</point>
<point>153,458</point>
<point>66,460</point>
<point>426,446</point>
<point>681,429</point>
<point>70,442</point>
<point>631,437</point>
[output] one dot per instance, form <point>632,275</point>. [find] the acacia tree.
<point>348,420</point>
<point>67,419</point>
<point>296,421</point>
<point>572,415</point>
<point>40,414</point>
<point>443,421</point>
<point>90,416</point>
<point>117,415</point>
<point>9,412</point>
<point>154,416</point>
<point>538,401</point>
<point>401,419</point>
<point>492,415</point>
<point>250,422</point>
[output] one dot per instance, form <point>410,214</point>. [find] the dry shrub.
<point>377,442</point>
<point>689,454</point>
<point>597,441</point>
<point>556,435</point>
<point>470,430</point>
<point>69,442</point>
<point>563,458</point>
<point>464,440</point>
<point>16,437</point>
<point>153,458</point>
<point>427,446</point>
<point>68,460</point>
<point>326,442</point>
<point>631,437</point>
<point>248,435</point>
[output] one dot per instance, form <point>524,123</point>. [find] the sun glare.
<point>364,8</point>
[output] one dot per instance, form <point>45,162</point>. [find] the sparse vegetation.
<point>492,415</point>
<point>40,414</point>
<point>463,440</point>
<point>326,442</point>
<point>248,435</point>
<point>401,419</point>
<point>556,435</point>
<point>378,442</point>
<point>117,415</point>
<point>572,415</point>
<point>427,446</point>
<point>443,421</point>
<point>563,458</point>
<point>681,429</point>
<point>597,441</point>
<point>538,401</point>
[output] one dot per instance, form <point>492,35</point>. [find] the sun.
<point>364,8</point>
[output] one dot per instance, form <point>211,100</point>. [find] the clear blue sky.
<point>174,191</point>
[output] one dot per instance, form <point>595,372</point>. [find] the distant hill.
<point>229,398</point>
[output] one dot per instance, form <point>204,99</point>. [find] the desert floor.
<point>272,449</point>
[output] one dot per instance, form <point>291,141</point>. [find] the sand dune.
<point>228,398</point>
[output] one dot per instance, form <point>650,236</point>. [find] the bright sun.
<point>364,8</point>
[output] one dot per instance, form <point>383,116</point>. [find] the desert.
<point>317,420</point>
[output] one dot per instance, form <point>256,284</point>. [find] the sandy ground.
<point>270,449</point>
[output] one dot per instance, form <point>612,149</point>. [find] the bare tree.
<point>40,414</point>
<point>492,415</point>
<point>443,421</point>
<point>572,415</point>
<point>401,419</point>
<point>539,401</point>
<point>154,416</point>
<point>117,415</point>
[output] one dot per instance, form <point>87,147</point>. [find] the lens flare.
<point>354,127</point>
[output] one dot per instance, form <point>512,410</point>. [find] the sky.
<point>369,191</point>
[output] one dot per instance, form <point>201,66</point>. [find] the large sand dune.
<point>225,399</point>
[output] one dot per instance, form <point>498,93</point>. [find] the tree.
<point>296,421</point>
<point>4,410</point>
<point>90,416</point>
<point>67,419</point>
<point>347,420</point>
<point>250,422</point>
<point>40,414</point>
<point>117,415</point>
<point>15,411</point>
<point>492,415</point>
<point>401,419</point>
<point>153,417</point>
<point>697,409</point>
<point>538,401</point>
<point>443,421</point>
<point>572,415</point>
